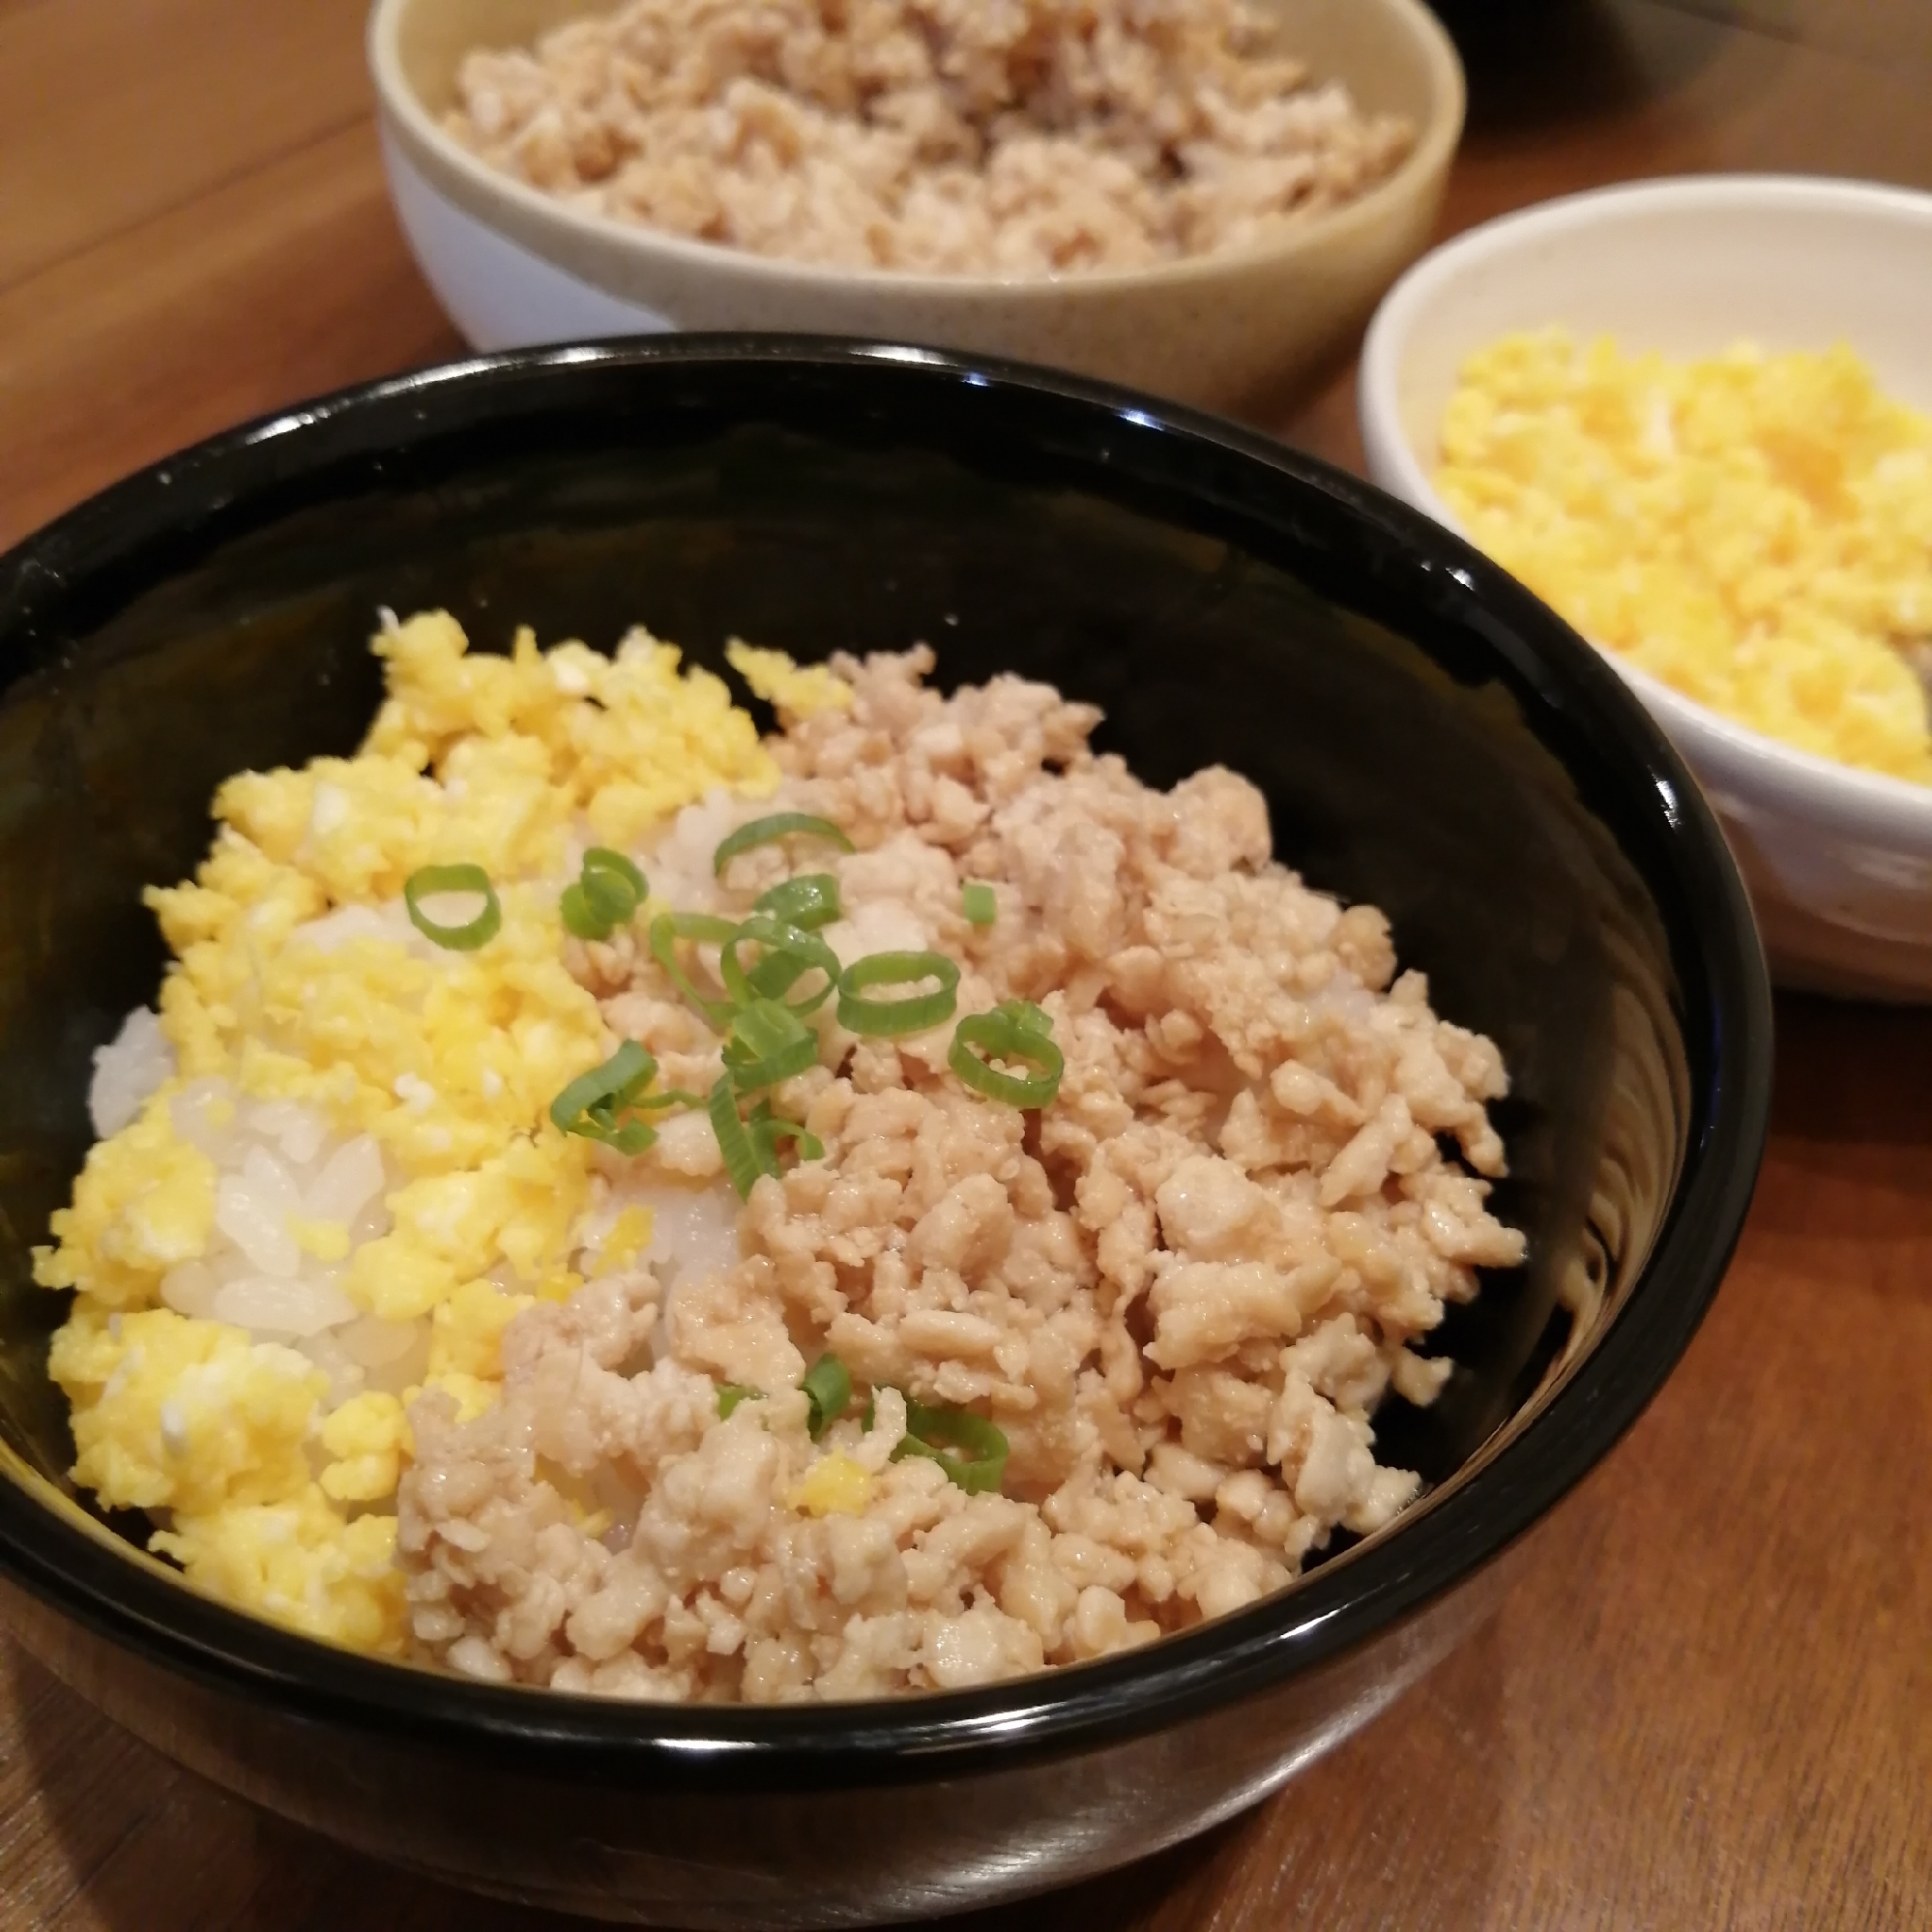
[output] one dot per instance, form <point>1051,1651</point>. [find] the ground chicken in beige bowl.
<point>1203,197</point>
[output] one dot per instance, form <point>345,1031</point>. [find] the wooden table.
<point>1708,1702</point>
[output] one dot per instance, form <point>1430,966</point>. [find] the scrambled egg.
<point>834,1485</point>
<point>801,690</point>
<point>182,1415</point>
<point>297,979</point>
<point>1754,529</point>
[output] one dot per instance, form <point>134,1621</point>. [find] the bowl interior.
<point>432,38</point>
<point>1428,738</point>
<point>1685,268</point>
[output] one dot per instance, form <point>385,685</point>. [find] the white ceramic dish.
<point>1839,861</point>
<point>1239,331</point>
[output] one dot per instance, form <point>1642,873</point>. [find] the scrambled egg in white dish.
<point>1755,530</point>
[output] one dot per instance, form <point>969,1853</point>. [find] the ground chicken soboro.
<point>1179,1290</point>
<point>1004,137</point>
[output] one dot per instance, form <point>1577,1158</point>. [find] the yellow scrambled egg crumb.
<point>144,1201</point>
<point>466,1332</point>
<point>1754,529</point>
<point>628,1237</point>
<point>799,690</point>
<point>367,1439</point>
<point>471,1393</point>
<point>302,1562</point>
<point>449,1062</point>
<point>172,1414</point>
<point>834,1485</point>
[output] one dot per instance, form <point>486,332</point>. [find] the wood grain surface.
<point>1708,1700</point>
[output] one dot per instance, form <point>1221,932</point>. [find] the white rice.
<point>133,1065</point>
<point>276,1163</point>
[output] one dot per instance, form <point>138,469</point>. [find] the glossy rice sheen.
<point>1429,739</point>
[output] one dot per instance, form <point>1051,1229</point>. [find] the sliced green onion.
<point>428,881</point>
<point>882,1019</point>
<point>608,896</point>
<point>768,1043</point>
<point>1027,1016</point>
<point>605,894</point>
<point>666,930</point>
<point>779,825</point>
<point>1009,1032</point>
<point>731,1393</point>
<point>741,1158</point>
<point>935,1433</point>
<point>666,1097</point>
<point>790,952</point>
<point>767,1129</point>
<point>828,1388</point>
<point>749,1146</point>
<point>601,858</point>
<point>591,1104</point>
<point>808,902</point>
<point>577,917</point>
<point>978,904</point>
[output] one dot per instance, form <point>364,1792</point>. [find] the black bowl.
<point>1429,737</point>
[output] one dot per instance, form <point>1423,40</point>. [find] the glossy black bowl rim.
<point>1341,1604</point>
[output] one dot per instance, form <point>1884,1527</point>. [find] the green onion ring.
<point>578,918</point>
<point>609,896</point>
<point>666,1097</point>
<point>666,930</point>
<point>884,1019</point>
<point>767,1129</point>
<point>590,1106</point>
<point>631,1065</point>
<point>741,1159</point>
<point>768,1043</point>
<point>1000,1036</point>
<point>779,825</point>
<point>790,954</point>
<point>428,880</point>
<point>731,1393</point>
<point>808,901</point>
<point>978,904</point>
<point>1027,1016</point>
<point>828,1388</point>
<point>607,891</point>
<point>936,1432</point>
<point>601,858</point>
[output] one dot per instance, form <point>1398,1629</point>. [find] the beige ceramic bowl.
<point>1238,330</point>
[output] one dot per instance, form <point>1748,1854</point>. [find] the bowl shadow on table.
<point>1282,409</point>
<point>1530,64</point>
<point>153,1849</point>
